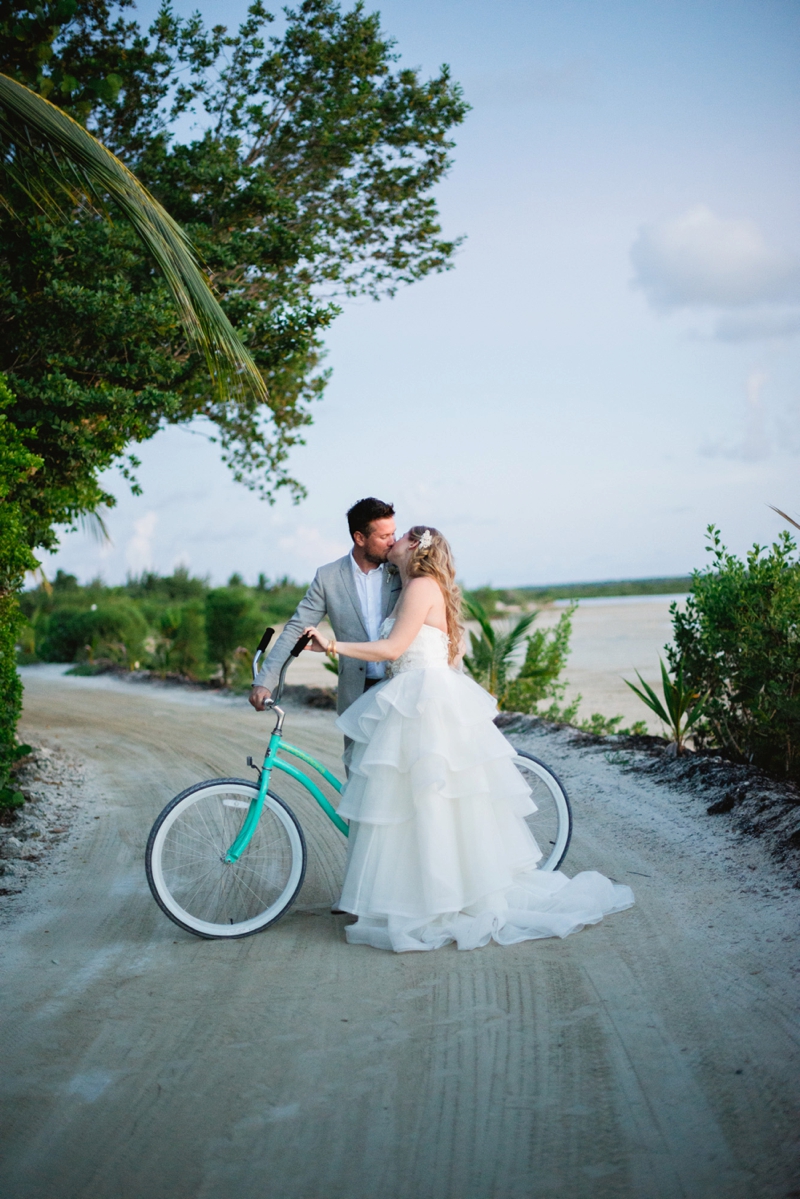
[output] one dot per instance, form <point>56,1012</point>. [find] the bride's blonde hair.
<point>432,558</point>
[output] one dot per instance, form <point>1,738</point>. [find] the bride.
<point>439,850</point>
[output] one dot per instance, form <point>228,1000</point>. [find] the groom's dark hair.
<point>362,514</point>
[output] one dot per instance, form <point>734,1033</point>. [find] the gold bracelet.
<point>331,650</point>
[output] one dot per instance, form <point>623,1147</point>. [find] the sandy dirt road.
<point>651,1057</point>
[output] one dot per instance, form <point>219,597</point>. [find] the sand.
<point>654,1056</point>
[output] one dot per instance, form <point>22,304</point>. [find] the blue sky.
<point>613,363</point>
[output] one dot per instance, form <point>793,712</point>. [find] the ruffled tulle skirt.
<point>439,849</point>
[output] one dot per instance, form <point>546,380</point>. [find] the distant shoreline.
<point>672,586</point>
<point>599,601</point>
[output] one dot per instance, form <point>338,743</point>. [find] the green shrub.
<point>738,642</point>
<point>492,650</point>
<point>113,630</point>
<point>232,621</point>
<point>188,651</point>
<point>682,709</point>
<point>16,464</point>
<point>278,600</point>
<point>538,679</point>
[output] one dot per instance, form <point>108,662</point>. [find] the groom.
<point>356,593</point>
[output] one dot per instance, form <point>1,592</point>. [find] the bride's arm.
<point>419,596</point>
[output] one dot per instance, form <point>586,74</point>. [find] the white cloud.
<point>139,550</point>
<point>702,260</point>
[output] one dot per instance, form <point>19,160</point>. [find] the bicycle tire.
<point>189,878</point>
<point>551,825</point>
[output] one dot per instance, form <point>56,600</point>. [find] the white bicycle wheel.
<point>186,868</point>
<point>551,823</point>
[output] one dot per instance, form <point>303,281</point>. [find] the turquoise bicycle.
<point>227,858</point>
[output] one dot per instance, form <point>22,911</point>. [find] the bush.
<point>15,558</point>
<point>545,658</point>
<point>738,641</point>
<point>492,649</point>
<point>232,620</point>
<point>278,600</point>
<point>114,630</point>
<point>187,653</point>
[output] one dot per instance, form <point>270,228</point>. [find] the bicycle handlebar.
<point>294,652</point>
<point>262,645</point>
<point>301,645</point>
<point>269,633</point>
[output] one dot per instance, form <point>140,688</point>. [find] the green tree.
<point>45,157</point>
<point>312,180</point>
<point>232,621</point>
<point>737,642</point>
<point>187,653</point>
<point>16,464</point>
<point>48,163</point>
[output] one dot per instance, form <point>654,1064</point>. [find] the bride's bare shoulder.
<point>424,596</point>
<point>422,586</point>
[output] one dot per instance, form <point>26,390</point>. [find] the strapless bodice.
<point>427,651</point>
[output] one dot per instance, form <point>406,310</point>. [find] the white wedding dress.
<point>439,849</point>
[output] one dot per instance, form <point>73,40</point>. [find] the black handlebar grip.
<point>265,640</point>
<point>301,645</point>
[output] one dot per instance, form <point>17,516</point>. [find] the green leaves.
<point>52,159</point>
<point>491,662</point>
<point>493,652</point>
<point>538,678</point>
<point>232,621</point>
<point>312,178</point>
<point>682,707</point>
<point>738,642</point>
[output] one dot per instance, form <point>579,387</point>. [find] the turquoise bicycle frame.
<point>273,762</point>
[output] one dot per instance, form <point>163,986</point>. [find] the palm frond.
<point>94,526</point>
<point>649,697</point>
<point>515,635</point>
<point>785,517</point>
<point>54,159</point>
<point>684,707</point>
<point>493,651</point>
<point>478,612</point>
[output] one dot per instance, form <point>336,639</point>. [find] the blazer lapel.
<point>390,590</point>
<point>350,587</point>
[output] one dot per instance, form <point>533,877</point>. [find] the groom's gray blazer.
<point>332,594</point>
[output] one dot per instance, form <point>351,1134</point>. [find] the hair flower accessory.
<point>425,540</point>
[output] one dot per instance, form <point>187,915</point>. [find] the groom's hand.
<point>258,697</point>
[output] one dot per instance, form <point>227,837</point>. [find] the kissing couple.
<point>439,850</point>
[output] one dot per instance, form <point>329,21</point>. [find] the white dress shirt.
<point>369,587</point>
